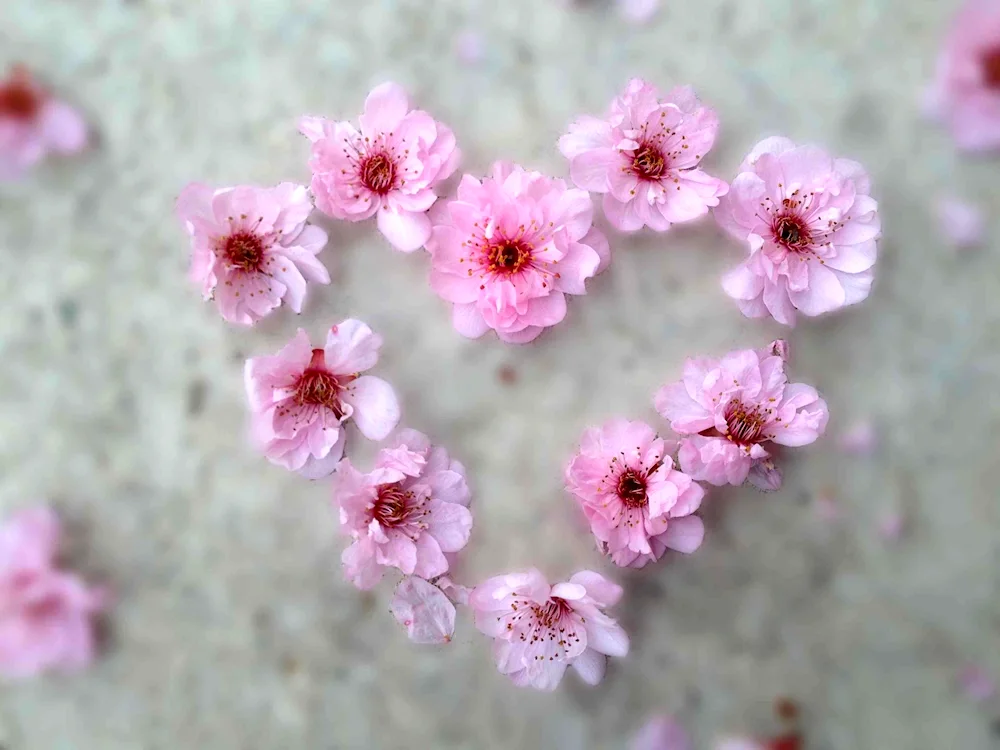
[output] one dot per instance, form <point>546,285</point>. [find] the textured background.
<point>122,394</point>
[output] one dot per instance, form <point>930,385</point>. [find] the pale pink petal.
<point>385,108</point>
<point>976,683</point>
<point>638,11</point>
<point>661,733</point>
<point>468,321</point>
<point>425,612</point>
<point>684,534</point>
<point>591,666</point>
<point>960,222</point>
<point>406,231</point>
<point>63,128</point>
<point>376,408</point>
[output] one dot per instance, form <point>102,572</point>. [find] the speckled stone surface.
<point>121,392</point>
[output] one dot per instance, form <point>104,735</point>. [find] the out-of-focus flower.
<point>301,397</point>
<point>961,223</point>
<point>470,46</point>
<point>508,250</point>
<point>727,411</point>
<point>406,513</point>
<point>539,630</point>
<point>426,613</point>
<point>251,248</point>
<point>661,733</point>
<point>976,683</point>
<point>34,124</point>
<point>644,156</point>
<point>965,93</point>
<point>859,439</point>
<point>638,505</point>
<point>388,168</point>
<point>638,11</point>
<point>811,227</point>
<point>891,526</point>
<point>46,615</point>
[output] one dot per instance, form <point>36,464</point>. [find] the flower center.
<point>392,505</point>
<point>244,250</point>
<point>632,488</point>
<point>18,99</point>
<point>743,423</point>
<point>378,173</point>
<point>508,258</point>
<point>317,386</point>
<point>649,163</point>
<point>991,68</point>
<point>549,614</point>
<point>790,232</point>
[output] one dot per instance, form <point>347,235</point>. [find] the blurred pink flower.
<point>46,615</point>
<point>859,439</point>
<point>644,156</point>
<point>891,526</point>
<point>965,93</point>
<point>406,513</point>
<point>470,46</point>
<point>739,743</point>
<point>661,733</point>
<point>251,247</point>
<point>508,250</point>
<point>961,223</point>
<point>638,11</point>
<point>810,226</point>
<point>638,505</point>
<point>389,167</point>
<point>301,397</point>
<point>540,630</point>
<point>426,613</point>
<point>976,683</point>
<point>34,124</point>
<point>728,410</point>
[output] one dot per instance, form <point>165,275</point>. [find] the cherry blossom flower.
<point>661,733</point>
<point>644,156</point>
<point>389,167</point>
<point>965,93</point>
<point>251,248</point>
<point>729,410</point>
<point>46,614</point>
<point>510,248</point>
<point>976,683</point>
<point>961,223</point>
<point>638,505</point>
<point>407,513</point>
<point>33,124</point>
<point>540,630</point>
<point>638,11</point>
<point>424,610</point>
<point>810,226</point>
<point>859,439</point>
<point>300,398</point>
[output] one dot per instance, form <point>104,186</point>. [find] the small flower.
<point>644,157</point>
<point>965,93</point>
<point>961,223</point>
<point>976,683</point>
<point>34,124</point>
<point>540,630</point>
<point>510,248</point>
<point>424,610</point>
<point>638,11</point>
<point>661,733</point>
<point>46,615</point>
<point>301,397</point>
<point>638,505</point>
<point>406,513</point>
<point>728,410</point>
<point>810,225</point>
<point>251,248</point>
<point>389,167</point>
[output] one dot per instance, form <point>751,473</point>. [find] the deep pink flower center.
<point>245,251</point>
<point>991,68</point>
<point>393,506</point>
<point>317,386</point>
<point>18,98</point>
<point>744,424</point>
<point>378,173</point>
<point>649,162</point>
<point>632,488</point>
<point>791,233</point>
<point>549,614</point>
<point>508,257</point>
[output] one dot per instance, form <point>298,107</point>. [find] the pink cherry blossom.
<point>251,248</point>
<point>540,630</point>
<point>661,733</point>
<point>508,250</point>
<point>859,439</point>
<point>638,505</point>
<point>960,222</point>
<point>638,11</point>
<point>301,398</point>
<point>965,93</point>
<point>644,156</point>
<point>407,513</point>
<point>424,610</point>
<point>976,683</point>
<point>389,167</point>
<point>46,615</point>
<point>728,410</point>
<point>810,226</point>
<point>34,124</point>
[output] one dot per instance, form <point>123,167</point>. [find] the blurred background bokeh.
<point>122,393</point>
